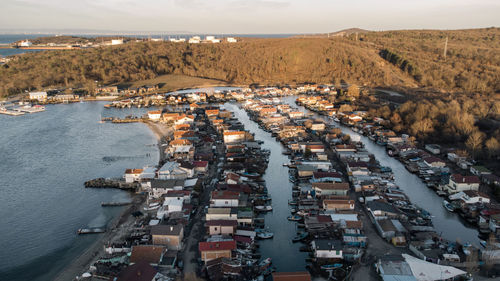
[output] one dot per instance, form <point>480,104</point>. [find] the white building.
<point>173,170</point>
<point>154,115</point>
<point>116,41</point>
<point>132,175</point>
<point>170,205</point>
<point>194,40</point>
<point>39,96</point>
<point>458,183</point>
<point>328,249</point>
<point>231,40</point>
<point>25,43</point>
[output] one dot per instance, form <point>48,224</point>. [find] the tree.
<point>492,147</point>
<point>424,127</point>
<point>345,108</point>
<point>474,142</point>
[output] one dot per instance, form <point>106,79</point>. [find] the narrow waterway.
<point>449,225</point>
<point>284,253</point>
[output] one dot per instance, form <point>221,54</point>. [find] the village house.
<point>168,235</point>
<point>221,214</point>
<point>458,182</point>
<point>141,271</point>
<point>154,115</point>
<point>234,136</point>
<point>184,119</point>
<point>200,167</point>
<point>327,249</point>
<point>170,205</point>
<point>434,162</point>
<point>151,254</point>
<point>39,96</point>
<point>224,199</point>
<point>471,197</point>
<point>190,135</point>
<point>326,177</point>
<point>381,210</point>
<point>338,204</point>
<point>132,175</point>
<point>158,187</point>
<point>325,188</point>
<point>479,171</point>
<point>221,227</point>
<point>214,250</point>
<point>211,112</point>
<point>170,116</point>
<point>174,170</point>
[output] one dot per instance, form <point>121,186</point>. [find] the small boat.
<point>448,206</point>
<point>265,235</point>
<point>265,263</point>
<point>294,218</point>
<point>292,202</point>
<point>264,208</point>
<point>331,266</point>
<point>300,236</point>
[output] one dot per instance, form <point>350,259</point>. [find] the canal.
<point>284,253</point>
<point>449,225</point>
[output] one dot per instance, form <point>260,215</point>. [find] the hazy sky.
<point>247,16</point>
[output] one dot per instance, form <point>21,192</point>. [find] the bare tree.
<point>474,142</point>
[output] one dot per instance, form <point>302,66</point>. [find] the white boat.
<point>264,208</point>
<point>265,235</point>
<point>448,206</point>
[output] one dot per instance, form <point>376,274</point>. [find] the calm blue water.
<point>45,159</point>
<point>285,254</point>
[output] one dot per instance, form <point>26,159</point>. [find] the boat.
<point>265,235</point>
<point>294,218</point>
<point>265,263</point>
<point>300,236</point>
<point>448,206</point>
<point>292,202</point>
<point>331,266</point>
<point>264,208</point>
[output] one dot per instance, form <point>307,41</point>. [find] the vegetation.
<point>415,59</point>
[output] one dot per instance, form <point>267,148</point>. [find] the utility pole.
<point>445,47</point>
<point>356,36</point>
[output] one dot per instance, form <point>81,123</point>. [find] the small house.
<point>221,227</point>
<point>214,250</point>
<point>168,235</point>
<point>327,249</point>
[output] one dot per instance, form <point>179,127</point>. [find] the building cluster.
<point>339,187</point>
<point>464,184</point>
<point>452,176</point>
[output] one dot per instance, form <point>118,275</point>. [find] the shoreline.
<point>118,225</point>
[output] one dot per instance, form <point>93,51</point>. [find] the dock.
<point>115,204</point>
<point>11,112</point>
<point>91,230</point>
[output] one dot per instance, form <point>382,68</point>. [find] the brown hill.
<point>389,59</point>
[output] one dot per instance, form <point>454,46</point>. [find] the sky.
<point>246,16</point>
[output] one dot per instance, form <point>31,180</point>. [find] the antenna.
<point>445,47</point>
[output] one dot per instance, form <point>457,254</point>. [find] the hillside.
<point>472,62</point>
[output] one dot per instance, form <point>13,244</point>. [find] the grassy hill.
<point>472,63</point>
